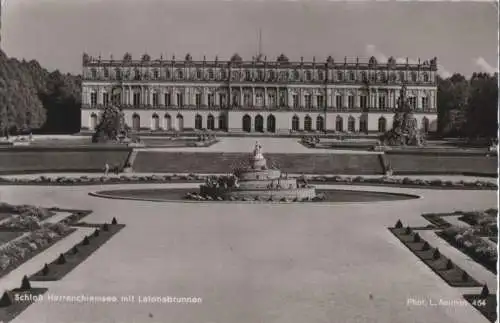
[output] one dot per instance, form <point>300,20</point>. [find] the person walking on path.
<point>106,169</point>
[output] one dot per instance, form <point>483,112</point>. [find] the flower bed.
<point>484,223</point>
<point>347,180</point>
<point>465,240</point>
<point>26,210</point>
<point>14,253</point>
<point>76,255</point>
<point>21,223</point>
<point>442,266</point>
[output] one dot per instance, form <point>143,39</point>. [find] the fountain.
<point>258,182</point>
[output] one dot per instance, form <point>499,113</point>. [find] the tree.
<point>25,283</point>
<point>482,106</point>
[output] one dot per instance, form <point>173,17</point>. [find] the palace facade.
<point>258,95</point>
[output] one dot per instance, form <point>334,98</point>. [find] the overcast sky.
<point>56,32</point>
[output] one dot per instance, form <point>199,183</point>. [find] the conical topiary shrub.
<point>61,260</point>
<point>45,270</point>
<point>6,299</point>
<point>449,265</point>
<point>74,250</point>
<point>465,276</point>
<point>416,237</point>
<point>398,225</point>
<point>25,283</point>
<point>105,227</point>
<point>436,255</point>
<point>96,233</point>
<point>114,222</point>
<point>408,230</point>
<point>426,246</point>
<point>485,292</point>
<point>86,241</point>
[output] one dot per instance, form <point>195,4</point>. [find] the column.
<point>419,100</point>
<point>161,96</point>
<point>265,97</point>
<point>241,97</point>
<point>253,96</point>
<point>358,99</point>
<point>314,100</point>
<point>376,105</point>
<point>346,99</point>
<point>290,98</point>
<point>173,97</point>
<point>216,98</point>
<point>150,96</point>
<point>130,96</point>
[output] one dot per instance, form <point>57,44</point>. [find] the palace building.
<point>258,95</point>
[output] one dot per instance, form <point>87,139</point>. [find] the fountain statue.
<point>257,182</point>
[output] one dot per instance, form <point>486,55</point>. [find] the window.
<point>211,74</point>
<point>295,123</point>
<point>296,75</point>
<point>248,75</point>
<point>350,102</point>
<point>425,103</point>
<point>308,101</point>
<point>295,99</point>
<point>223,74</point>
<point>381,77</point>
<point>339,101</point>
<point>261,75</point>
<point>168,99</point>
<point>118,74</point>
<point>168,75</point>
<point>156,74</point>
<point>320,75</point>
<point>180,74</point>
<point>93,73</point>
<point>137,75</point>
<point>211,101</point>
<point>426,77</point>
<point>271,75</point>
<point>198,74</point>
<point>259,99</point>
<point>198,99</point>
<point>283,76</point>
<point>364,78</point>
<point>339,124</point>
<point>106,73</point>
<point>352,76</point>
<point>308,76</point>
<point>320,123</point>
<point>307,123</point>
<point>222,99</point>
<point>402,76</point>
<point>105,98</point>
<point>283,98</point>
<point>363,102</point>
<point>340,76</point>
<point>247,100</point>
<point>210,122</point>
<point>272,99</point>
<point>93,98</point>
<point>320,101</point>
<point>382,102</point>
<point>413,77</point>
<point>180,100</point>
<point>382,124</point>
<point>198,122</point>
<point>155,99</point>
<point>351,124</point>
<point>137,98</point>
<point>413,102</point>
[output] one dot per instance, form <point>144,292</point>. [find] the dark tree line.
<point>468,107</point>
<point>33,99</point>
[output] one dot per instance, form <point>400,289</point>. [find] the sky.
<point>462,35</point>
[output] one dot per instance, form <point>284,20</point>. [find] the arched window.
<point>425,125</point>
<point>210,122</point>
<point>382,124</point>
<point>180,74</point>
<point>295,123</point>
<point>93,121</point>
<point>167,122</point>
<point>180,122</point>
<point>155,122</point>
<point>320,123</point>
<point>339,124</point>
<point>351,124</point>
<point>259,123</point>
<point>247,123</point>
<point>222,122</point>
<point>363,124</point>
<point>271,123</point>
<point>307,123</point>
<point>198,122</point>
<point>136,122</point>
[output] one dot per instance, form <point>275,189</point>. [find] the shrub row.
<point>406,181</point>
<point>194,196</point>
